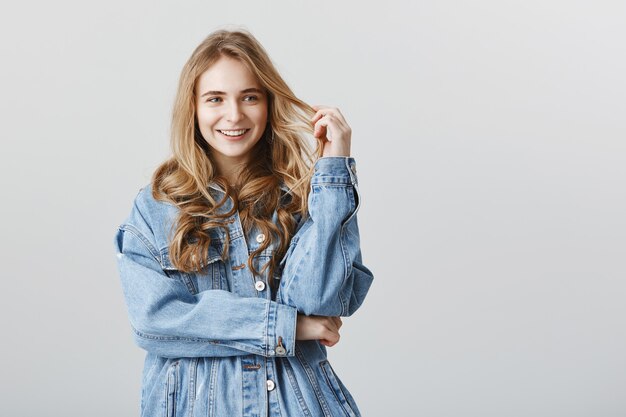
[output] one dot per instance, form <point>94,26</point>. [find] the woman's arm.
<point>169,321</point>
<point>323,272</point>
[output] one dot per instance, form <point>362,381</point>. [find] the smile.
<point>233,133</point>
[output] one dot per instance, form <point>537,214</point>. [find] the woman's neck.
<point>230,172</point>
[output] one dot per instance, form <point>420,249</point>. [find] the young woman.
<point>239,258</point>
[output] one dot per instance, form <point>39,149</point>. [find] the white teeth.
<point>233,132</point>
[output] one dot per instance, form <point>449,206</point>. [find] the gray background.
<point>490,144</point>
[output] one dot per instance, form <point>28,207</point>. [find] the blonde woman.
<point>239,258</point>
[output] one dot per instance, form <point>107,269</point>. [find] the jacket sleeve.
<point>322,271</point>
<point>169,321</point>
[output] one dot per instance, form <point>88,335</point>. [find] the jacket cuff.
<point>282,330</point>
<point>334,170</point>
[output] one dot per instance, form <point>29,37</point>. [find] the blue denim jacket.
<point>221,342</point>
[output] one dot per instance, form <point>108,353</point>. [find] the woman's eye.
<point>211,100</point>
<point>253,98</point>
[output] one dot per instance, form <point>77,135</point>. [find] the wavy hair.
<point>283,155</point>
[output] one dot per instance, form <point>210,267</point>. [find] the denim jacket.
<point>221,342</point>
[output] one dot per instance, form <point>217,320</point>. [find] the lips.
<point>233,133</point>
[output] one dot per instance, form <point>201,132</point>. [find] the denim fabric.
<point>218,342</point>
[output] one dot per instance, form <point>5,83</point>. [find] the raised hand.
<point>332,128</point>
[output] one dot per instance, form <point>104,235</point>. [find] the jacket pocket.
<point>212,277</point>
<point>339,390</point>
<point>172,389</point>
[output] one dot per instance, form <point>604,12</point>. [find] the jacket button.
<point>259,285</point>
<point>281,350</point>
<point>270,385</point>
<point>260,238</point>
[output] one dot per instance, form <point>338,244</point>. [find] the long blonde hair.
<point>284,155</point>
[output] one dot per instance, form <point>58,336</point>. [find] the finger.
<point>336,323</point>
<point>320,132</point>
<point>323,127</point>
<point>320,106</point>
<point>331,124</point>
<point>324,106</point>
<point>326,110</point>
<point>318,109</point>
<point>339,322</point>
<point>331,338</point>
<point>334,339</point>
<point>322,110</point>
<point>333,324</point>
<point>319,114</point>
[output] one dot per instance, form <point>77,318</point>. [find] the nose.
<point>234,113</point>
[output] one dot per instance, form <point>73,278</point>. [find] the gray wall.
<point>490,142</point>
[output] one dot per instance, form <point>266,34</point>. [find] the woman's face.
<point>231,107</point>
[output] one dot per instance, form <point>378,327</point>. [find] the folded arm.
<point>169,321</point>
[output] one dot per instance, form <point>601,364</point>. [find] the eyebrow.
<point>221,93</point>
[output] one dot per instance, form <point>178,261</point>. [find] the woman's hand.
<point>322,328</point>
<point>332,128</point>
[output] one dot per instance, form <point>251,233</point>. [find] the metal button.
<point>260,238</point>
<point>270,385</point>
<point>280,349</point>
<point>259,285</point>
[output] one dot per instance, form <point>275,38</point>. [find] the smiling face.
<point>231,108</point>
